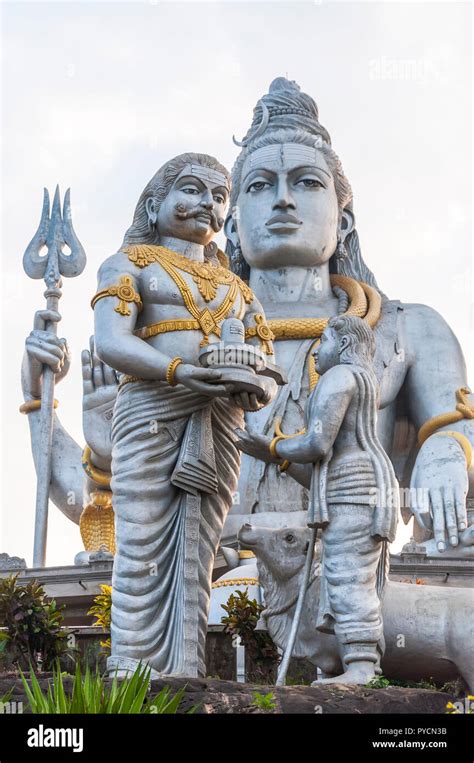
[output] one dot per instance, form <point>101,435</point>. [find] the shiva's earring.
<point>340,250</point>
<point>238,251</point>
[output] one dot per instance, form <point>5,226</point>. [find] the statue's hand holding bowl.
<point>200,379</point>
<point>248,401</point>
<point>438,489</point>
<point>208,381</point>
<point>254,401</point>
<point>43,347</point>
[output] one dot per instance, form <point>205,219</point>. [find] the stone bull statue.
<point>428,630</point>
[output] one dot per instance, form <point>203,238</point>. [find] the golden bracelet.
<point>462,440</point>
<point>98,476</point>
<point>34,405</point>
<point>273,444</point>
<point>284,464</point>
<point>172,366</point>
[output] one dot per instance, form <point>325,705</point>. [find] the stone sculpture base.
<point>214,696</point>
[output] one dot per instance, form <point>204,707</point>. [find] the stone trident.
<point>54,232</point>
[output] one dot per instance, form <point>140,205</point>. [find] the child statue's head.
<point>346,339</point>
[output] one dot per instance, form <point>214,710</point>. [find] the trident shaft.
<point>55,231</point>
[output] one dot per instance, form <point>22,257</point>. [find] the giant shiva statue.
<point>292,238</point>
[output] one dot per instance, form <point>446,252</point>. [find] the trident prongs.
<point>55,231</point>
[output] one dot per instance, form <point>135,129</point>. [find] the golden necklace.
<point>205,275</point>
<point>365,301</point>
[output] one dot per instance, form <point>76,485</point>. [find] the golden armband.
<point>124,292</point>
<point>264,333</point>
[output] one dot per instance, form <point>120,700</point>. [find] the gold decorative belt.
<point>162,327</point>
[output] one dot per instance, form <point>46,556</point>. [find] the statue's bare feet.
<point>358,673</point>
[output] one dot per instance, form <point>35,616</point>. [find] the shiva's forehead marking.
<point>206,174</point>
<point>283,152</point>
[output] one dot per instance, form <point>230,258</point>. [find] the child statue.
<point>353,492</point>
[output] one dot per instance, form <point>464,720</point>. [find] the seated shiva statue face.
<point>290,207</point>
<point>291,203</point>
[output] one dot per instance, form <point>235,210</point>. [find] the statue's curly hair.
<point>361,338</point>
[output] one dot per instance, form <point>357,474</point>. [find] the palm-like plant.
<point>91,695</point>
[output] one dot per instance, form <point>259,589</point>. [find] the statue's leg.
<point>351,557</point>
<point>205,516</point>
<point>166,538</point>
<point>214,507</point>
<point>150,513</point>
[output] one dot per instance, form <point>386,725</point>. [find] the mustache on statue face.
<point>185,214</point>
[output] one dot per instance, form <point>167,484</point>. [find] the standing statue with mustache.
<point>162,298</point>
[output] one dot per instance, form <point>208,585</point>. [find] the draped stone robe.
<point>167,536</point>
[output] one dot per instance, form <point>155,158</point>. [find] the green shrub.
<point>33,624</point>
<point>378,682</point>
<point>242,617</point>
<point>102,610</point>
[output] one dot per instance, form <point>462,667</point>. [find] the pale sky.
<point>96,96</point>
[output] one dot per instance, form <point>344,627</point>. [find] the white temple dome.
<point>243,576</point>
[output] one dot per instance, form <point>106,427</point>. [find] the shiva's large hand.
<point>438,489</point>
